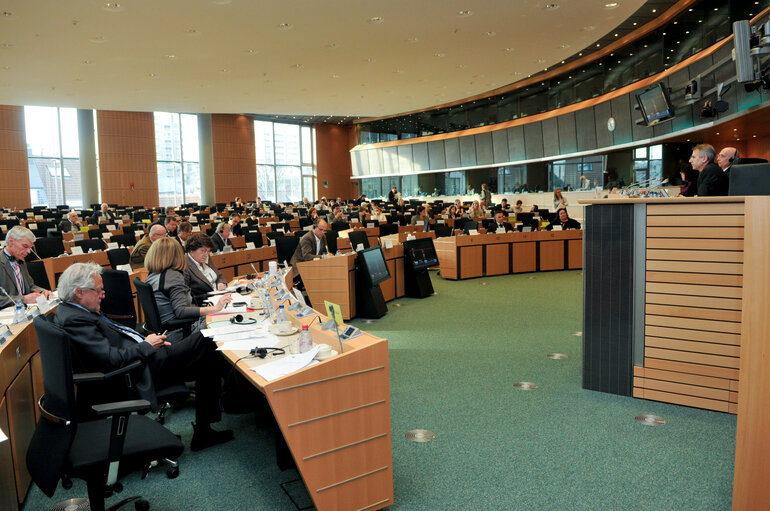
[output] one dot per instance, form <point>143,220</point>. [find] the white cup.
<point>272,267</point>
<point>324,351</point>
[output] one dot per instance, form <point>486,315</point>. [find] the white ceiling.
<point>232,56</point>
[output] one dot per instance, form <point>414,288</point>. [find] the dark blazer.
<point>8,281</point>
<point>712,181</point>
<point>199,285</point>
<point>571,223</point>
<point>219,242</point>
<point>306,250</point>
<point>237,230</point>
<point>98,346</point>
<point>98,216</point>
<point>493,227</point>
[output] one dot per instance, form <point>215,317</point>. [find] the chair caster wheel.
<point>117,487</point>
<point>66,483</point>
<point>172,472</point>
<point>142,505</point>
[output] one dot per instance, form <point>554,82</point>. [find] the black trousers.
<point>194,358</point>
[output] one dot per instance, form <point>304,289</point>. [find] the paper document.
<point>230,308</point>
<point>3,436</point>
<point>285,365</point>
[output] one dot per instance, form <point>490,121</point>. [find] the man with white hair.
<point>71,224</point>
<point>14,276</point>
<point>99,344</point>
<point>140,250</point>
<point>711,179</point>
<point>103,214</point>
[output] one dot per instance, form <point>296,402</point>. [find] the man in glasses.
<point>14,276</point>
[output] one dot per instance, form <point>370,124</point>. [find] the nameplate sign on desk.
<point>112,245</point>
<point>473,231</point>
<point>124,267</point>
<point>196,228</point>
<point>272,243</point>
<point>557,227</point>
<point>250,245</point>
<point>387,244</point>
<point>500,230</point>
<point>369,225</point>
<point>111,227</point>
<point>440,221</point>
<point>354,220</point>
<point>38,217</point>
<point>410,237</point>
<point>106,235</point>
<point>77,250</point>
<point>31,226</point>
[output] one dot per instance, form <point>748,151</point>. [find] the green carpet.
<point>454,358</point>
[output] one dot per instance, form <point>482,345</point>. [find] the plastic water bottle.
<point>338,253</point>
<point>305,340</point>
<point>267,302</point>
<point>18,314</point>
<point>281,316</point>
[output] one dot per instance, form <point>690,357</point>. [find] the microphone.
<point>36,255</point>
<point>6,294</point>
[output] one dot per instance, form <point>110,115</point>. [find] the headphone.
<point>262,352</point>
<point>736,156</point>
<point>238,319</point>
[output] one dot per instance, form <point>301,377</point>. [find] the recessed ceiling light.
<point>461,66</point>
<point>86,62</point>
<point>192,32</point>
<point>398,71</point>
<point>6,46</point>
<point>7,14</point>
<point>491,33</point>
<point>564,46</point>
<point>550,7</point>
<point>370,60</point>
<point>508,50</point>
<point>654,10</point>
<point>635,23</point>
<point>588,28</point>
<point>221,2</point>
<point>298,66</point>
<point>413,40</point>
<point>541,61</point>
<point>376,20</point>
<point>285,26</point>
<point>224,70</point>
<point>151,75</point>
<point>169,56</point>
<point>112,7</point>
<point>439,54</point>
<point>464,13</point>
<point>98,39</point>
<point>611,5</point>
<point>251,51</point>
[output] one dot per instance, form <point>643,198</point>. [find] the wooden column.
<point>13,158</point>
<point>235,160</point>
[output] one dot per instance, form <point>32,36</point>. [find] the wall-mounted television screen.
<point>420,253</point>
<point>655,104</point>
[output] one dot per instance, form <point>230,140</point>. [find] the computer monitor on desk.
<point>419,255</point>
<point>371,269</point>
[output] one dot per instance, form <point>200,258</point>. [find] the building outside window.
<point>53,156</point>
<point>286,163</point>
<point>177,153</point>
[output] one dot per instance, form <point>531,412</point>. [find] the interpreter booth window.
<point>286,164</point>
<point>576,173</point>
<point>511,179</point>
<point>53,156</point>
<point>178,158</point>
<point>648,165</point>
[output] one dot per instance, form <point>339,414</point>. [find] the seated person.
<point>453,212</point>
<point>140,250</point>
<point>99,344</point>
<point>339,221</point>
<point>475,211</point>
<point>567,222</point>
<point>166,263</point>
<point>103,214</point>
<point>312,214</point>
<point>504,205</point>
<point>170,223</point>
<point>235,225</point>
<point>71,224</point>
<point>519,208</point>
<point>422,216</point>
<point>14,276</point>
<point>183,233</point>
<point>378,215</point>
<point>253,218</point>
<point>221,237</point>
<point>200,275</point>
<point>690,182</point>
<point>312,245</point>
<point>499,224</point>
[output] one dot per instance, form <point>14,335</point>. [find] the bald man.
<point>140,250</point>
<point>727,157</point>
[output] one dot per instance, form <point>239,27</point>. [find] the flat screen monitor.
<point>372,263</point>
<point>655,104</point>
<point>524,217</point>
<point>420,253</point>
<point>358,237</point>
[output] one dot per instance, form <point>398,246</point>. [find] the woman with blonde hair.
<point>559,202</point>
<point>166,263</point>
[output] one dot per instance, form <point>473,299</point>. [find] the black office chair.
<point>95,233</point>
<point>118,301</point>
<point>358,237</point>
<point>284,225</point>
<point>152,322</point>
<point>63,447</point>
<point>442,230</point>
<point>274,235</point>
<point>49,247</point>
<point>340,226</point>
<point>285,247</point>
<point>37,272</point>
<point>95,244</point>
<point>304,222</point>
<point>118,256</point>
<point>470,225</point>
<point>331,241</point>
<point>126,240</point>
<point>299,234</point>
<point>254,237</point>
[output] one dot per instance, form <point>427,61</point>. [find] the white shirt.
<point>207,272</point>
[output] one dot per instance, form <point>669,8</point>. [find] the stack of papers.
<point>241,337</point>
<point>230,308</point>
<point>286,365</point>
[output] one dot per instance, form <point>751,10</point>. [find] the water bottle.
<point>18,315</point>
<point>267,302</point>
<point>305,340</point>
<point>281,316</point>
<point>338,253</point>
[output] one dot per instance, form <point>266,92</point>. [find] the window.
<point>177,153</point>
<point>286,164</point>
<point>54,156</point>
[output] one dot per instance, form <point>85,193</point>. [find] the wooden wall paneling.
<point>333,145</point>
<point>15,191</point>
<point>694,278</point>
<point>693,301</point>
<point>127,157</point>
<point>235,170</point>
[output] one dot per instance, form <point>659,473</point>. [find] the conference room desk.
<point>239,261</point>
<point>675,309</point>
<point>477,255</point>
<point>55,266</point>
<point>372,234</point>
<point>335,419</point>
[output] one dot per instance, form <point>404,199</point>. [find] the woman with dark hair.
<point>166,263</point>
<point>200,274</point>
<point>690,182</point>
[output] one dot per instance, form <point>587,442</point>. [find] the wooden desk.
<point>471,256</point>
<point>335,418</point>
<point>55,266</point>
<point>239,262</point>
<point>689,302</point>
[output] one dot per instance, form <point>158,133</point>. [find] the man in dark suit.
<point>103,214</point>
<point>499,224</point>
<point>99,344</point>
<point>393,195</point>
<point>312,245</point>
<point>728,157</point>
<point>14,276</point>
<point>712,181</point>
<point>221,237</point>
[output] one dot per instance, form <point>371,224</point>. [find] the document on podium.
<point>286,365</point>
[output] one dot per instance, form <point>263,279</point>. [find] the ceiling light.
<point>491,33</point>
<point>112,7</point>
<point>588,28</point>
<point>654,10</point>
<point>251,51</point>
<point>611,5</point>
<point>541,61</point>
<point>334,76</point>
<point>370,60</point>
<point>6,46</point>
<point>7,14</point>
<point>192,32</point>
<point>564,46</point>
<point>439,54</point>
<point>634,23</point>
<point>412,40</point>
<point>285,26</point>
<point>550,7</point>
<point>169,57</point>
<point>461,66</point>
<point>86,62</point>
<point>398,71</point>
<point>464,13</point>
<point>508,50</point>
<point>151,75</point>
<point>376,20</point>
<point>99,39</point>
<point>333,46</point>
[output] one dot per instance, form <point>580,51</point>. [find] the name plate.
<point>112,245</point>
<point>250,245</point>
<point>77,250</point>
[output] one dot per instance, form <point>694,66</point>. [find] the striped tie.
<point>19,279</point>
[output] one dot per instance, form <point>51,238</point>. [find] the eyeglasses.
<point>99,290</point>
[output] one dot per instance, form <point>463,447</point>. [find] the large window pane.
<point>70,147</point>
<point>190,138</point>
<point>307,145</point>
<point>72,190</point>
<point>266,182</point>
<point>192,181</point>
<point>169,183</point>
<point>286,144</point>
<point>176,147</point>
<point>168,145</point>
<point>308,188</point>
<point>288,186</point>
<point>42,125</point>
<point>263,141</point>
<point>45,182</point>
